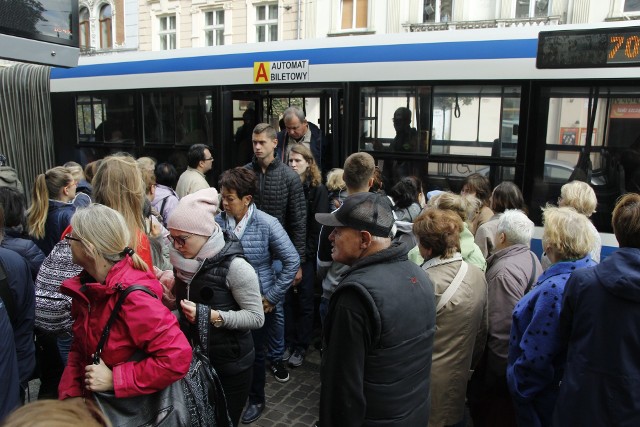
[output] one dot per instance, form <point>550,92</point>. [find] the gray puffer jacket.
<point>281,195</point>
<point>264,240</point>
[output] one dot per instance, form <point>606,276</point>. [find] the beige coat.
<point>191,181</point>
<point>481,217</point>
<point>461,333</point>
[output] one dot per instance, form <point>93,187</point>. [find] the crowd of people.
<point>433,308</point>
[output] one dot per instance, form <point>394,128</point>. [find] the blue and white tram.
<point>477,102</point>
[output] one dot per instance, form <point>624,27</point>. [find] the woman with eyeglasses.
<point>210,268</point>
<point>100,245</point>
<point>51,207</point>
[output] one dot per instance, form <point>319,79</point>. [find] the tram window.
<point>159,122</point>
<point>476,121</point>
<point>395,119</point>
<point>105,118</point>
<point>450,176</point>
<point>614,150</point>
<point>193,117</point>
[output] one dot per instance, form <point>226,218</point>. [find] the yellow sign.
<point>281,71</point>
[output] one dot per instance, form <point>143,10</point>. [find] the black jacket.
<point>280,194</point>
<point>231,351</point>
<point>317,202</point>
<point>317,144</point>
<point>378,342</point>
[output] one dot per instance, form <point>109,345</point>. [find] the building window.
<point>355,14</point>
<point>532,8</point>
<point>167,32</point>
<point>214,28</point>
<point>84,28</point>
<point>105,27</point>
<point>632,6</point>
<point>267,23</point>
<point>437,11</point>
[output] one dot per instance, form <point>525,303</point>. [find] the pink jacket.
<point>144,323</point>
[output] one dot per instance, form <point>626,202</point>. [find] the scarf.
<point>239,228</point>
<point>186,268</point>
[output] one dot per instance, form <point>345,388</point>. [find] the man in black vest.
<point>379,329</point>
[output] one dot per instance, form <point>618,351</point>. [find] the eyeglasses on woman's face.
<point>180,241</point>
<point>70,237</point>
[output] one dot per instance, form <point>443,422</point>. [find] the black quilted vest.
<point>230,350</point>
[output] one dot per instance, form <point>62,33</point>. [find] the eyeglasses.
<point>206,160</point>
<point>70,237</point>
<point>179,240</point>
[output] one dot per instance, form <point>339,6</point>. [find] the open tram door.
<point>322,107</point>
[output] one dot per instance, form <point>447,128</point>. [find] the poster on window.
<point>583,136</point>
<point>569,136</point>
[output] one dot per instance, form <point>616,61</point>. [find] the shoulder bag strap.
<point>533,273</point>
<point>114,315</point>
<point>203,313</point>
<point>453,287</point>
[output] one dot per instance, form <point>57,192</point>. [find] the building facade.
<point>151,25</point>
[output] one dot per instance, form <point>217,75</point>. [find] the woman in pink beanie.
<point>210,269</point>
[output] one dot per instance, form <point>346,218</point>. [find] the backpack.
<point>53,309</point>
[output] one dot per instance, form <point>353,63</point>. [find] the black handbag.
<point>204,394</point>
<point>197,400</point>
<point>166,407</point>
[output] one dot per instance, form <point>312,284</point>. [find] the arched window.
<point>84,28</point>
<point>105,27</point>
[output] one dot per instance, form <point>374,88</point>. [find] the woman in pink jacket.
<point>99,244</point>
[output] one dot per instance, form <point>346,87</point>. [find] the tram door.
<point>321,108</point>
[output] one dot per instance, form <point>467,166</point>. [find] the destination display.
<point>589,48</point>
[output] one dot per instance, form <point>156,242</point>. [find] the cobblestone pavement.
<point>296,402</point>
<point>291,404</point>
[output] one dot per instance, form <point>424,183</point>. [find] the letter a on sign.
<point>261,72</point>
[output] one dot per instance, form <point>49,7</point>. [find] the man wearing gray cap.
<point>378,335</point>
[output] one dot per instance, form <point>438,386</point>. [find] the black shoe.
<point>279,371</point>
<point>252,413</point>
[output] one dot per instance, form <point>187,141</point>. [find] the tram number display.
<point>589,48</point>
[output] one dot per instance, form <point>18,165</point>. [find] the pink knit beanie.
<point>196,213</point>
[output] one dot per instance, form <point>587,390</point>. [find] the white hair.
<point>516,226</point>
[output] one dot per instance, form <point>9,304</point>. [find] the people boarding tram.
<point>494,109</point>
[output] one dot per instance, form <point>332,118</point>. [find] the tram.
<point>532,105</point>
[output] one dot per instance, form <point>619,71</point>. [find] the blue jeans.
<point>271,337</point>
<point>64,346</point>
<point>298,310</point>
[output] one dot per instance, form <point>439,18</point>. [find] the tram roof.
<point>457,55</point>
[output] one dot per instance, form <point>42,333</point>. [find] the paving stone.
<point>296,402</point>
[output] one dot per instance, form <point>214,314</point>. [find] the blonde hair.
<point>149,179</point>
<point>335,181</point>
<point>312,171</point>
<point>146,163</point>
<point>568,231</point>
<point>47,186</point>
<point>449,201</point>
<point>579,196</point>
<point>104,232</point>
<point>76,170</point>
<point>57,413</point>
<point>118,184</point>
